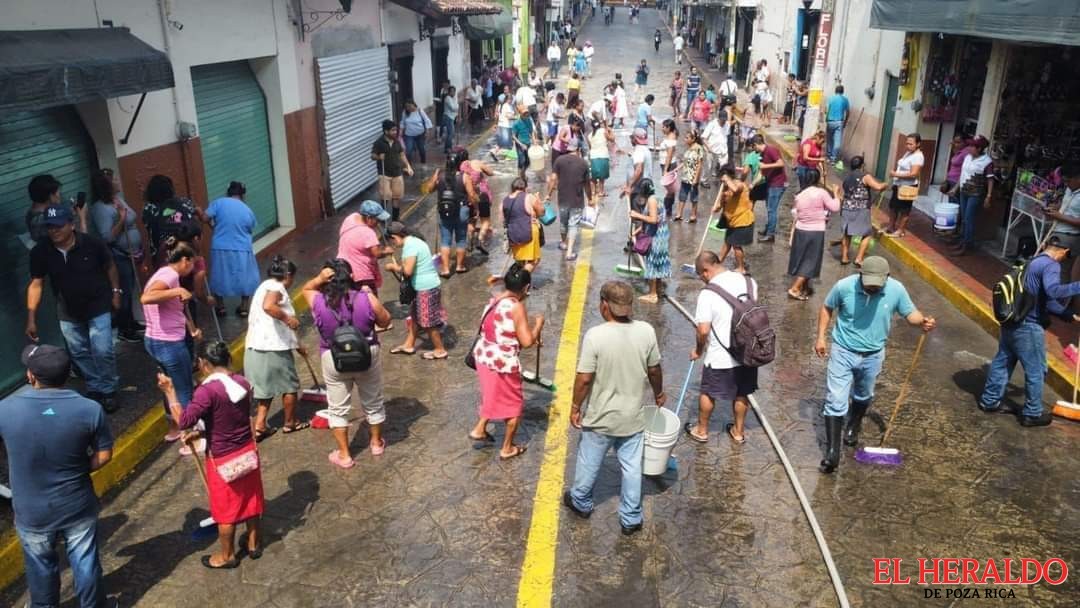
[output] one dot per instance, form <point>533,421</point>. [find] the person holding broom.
<point>233,476</point>
<point>737,217</point>
<point>863,305</point>
<point>504,331</point>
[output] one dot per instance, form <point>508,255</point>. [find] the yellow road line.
<point>538,569</point>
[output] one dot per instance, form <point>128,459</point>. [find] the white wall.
<point>360,29</point>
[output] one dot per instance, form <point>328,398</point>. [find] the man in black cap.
<point>54,438</point>
<point>1025,342</point>
<point>83,276</point>
<point>393,165</point>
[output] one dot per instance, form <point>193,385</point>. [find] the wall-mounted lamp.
<point>427,29</point>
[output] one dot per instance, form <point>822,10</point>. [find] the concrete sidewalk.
<point>966,282</point>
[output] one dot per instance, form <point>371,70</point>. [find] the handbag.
<point>236,466</point>
<point>550,215</point>
<point>406,291</point>
<point>907,193</point>
<point>541,232</point>
<point>642,243</point>
<point>470,359</point>
<point>760,191</point>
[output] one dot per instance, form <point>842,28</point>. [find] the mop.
<point>688,268</point>
<point>1070,409</point>
<point>317,392</point>
<point>534,377</point>
<point>629,269</point>
<point>826,555</point>
<point>881,454</point>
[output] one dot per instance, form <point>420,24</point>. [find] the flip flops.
<point>518,451</point>
<point>263,434</point>
<point>431,356</point>
<point>688,428</point>
<point>229,565</point>
<point>730,427</point>
<point>296,426</point>
<point>401,350</point>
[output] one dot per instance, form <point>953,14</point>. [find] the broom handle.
<point>712,213</point>
<point>198,465</point>
<point>213,313</point>
<point>685,387</point>
<point>1076,372</point>
<point>904,389</point>
<point>311,370</point>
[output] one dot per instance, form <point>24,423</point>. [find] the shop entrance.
<point>401,61</point>
<point>744,39</point>
<point>440,56</point>
<point>888,118</point>
<point>810,21</point>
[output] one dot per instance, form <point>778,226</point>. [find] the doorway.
<point>401,62</point>
<point>806,42</point>
<point>440,56</point>
<point>888,118</point>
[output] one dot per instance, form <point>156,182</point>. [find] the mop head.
<point>1067,409</point>
<point>629,271</point>
<point>315,394</point>
<point>715,227</point>
<point>883,456</point>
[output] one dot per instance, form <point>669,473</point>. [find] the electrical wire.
<point>830,565</point>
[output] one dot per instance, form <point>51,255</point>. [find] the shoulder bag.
<point>236,466</point>
<point>470,359</point>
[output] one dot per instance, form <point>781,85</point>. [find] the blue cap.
<point>58,215</point>
<point>373,209</point>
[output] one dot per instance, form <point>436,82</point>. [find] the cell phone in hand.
<point>80,200</point>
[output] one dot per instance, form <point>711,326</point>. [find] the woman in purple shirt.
<point>233,480</point>
<point>333,301</point>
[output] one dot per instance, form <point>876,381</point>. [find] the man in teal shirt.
<point>521,131</point>
<point>836,117</point>
<point>863,305</point>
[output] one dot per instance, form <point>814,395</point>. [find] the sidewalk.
<point>139,424</point>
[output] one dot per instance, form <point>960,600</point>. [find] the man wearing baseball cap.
<point>1025,342</point>
<point>83,276</point>
<point>392,164</point>
<point>54,438</point>
<point>617,357</point>
<point>863,305</point>
<point>642,159</point>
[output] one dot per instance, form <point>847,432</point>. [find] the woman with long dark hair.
<point>269,345</point>
<point>222,404</point>
<point>162,215</point>
<point>334,302</point>
<point>452,188</point>
<point>426,311</point>
<point>855,210</point>
<point>113,221</point>
<point>812,206</point>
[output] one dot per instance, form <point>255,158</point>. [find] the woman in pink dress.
<point>504,331</point>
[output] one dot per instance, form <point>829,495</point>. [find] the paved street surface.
<point>434,522</point>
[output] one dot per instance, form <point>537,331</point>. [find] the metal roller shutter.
<point>354,91</point>
<point>50,141</point>
<point>234,136</point>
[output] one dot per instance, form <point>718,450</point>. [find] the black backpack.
<point>1011,299</point>
<point>349,348</point>
<point>753,340</point>
<point>451,198</point>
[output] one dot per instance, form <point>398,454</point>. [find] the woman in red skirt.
<point>504,331</point>
<point>233,479</point>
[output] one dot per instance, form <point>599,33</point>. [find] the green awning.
<point>486,27</point>
<point>1041,21</point>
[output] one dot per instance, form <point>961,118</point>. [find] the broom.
<point>1070,409</point>
<point>534,377</point>
<point>213,313</point>
<point>673,463</point>
<point>881,454</point>
<point>629,269</point>
<point>207,527</point>
<point>317,392</point>
<point>688,268</point>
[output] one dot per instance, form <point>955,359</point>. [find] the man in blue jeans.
<point>836,117</point>
<point>54,438</point>
<point>773,170</point>
<point>616,359</point>
<point>863,306</point>
<point>83,276</point>
<point>1025,342</point>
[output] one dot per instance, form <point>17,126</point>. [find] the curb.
<point>143,437</point>
<point>1058,373</point>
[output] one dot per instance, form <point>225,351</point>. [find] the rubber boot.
<point>834,427</point>
<point>854,425</point>
<point>395,213</point>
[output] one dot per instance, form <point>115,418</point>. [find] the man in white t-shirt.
<point>722,378</point>
<point>679,43</point>
<point>642,159</point>
<point>554,56</point>
<point>728,91</point>
<point>715,137</point>
<point>599,109</point>
<point>526,96</point>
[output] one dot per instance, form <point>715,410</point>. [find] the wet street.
<point>434,522</point>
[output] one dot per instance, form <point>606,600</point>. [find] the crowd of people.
<point>93,256</point>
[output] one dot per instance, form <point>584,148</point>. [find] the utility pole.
<point>812,118</point>
<point>731,37</point>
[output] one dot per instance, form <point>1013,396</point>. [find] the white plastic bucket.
<point>945,215</point>
<point>661,434</point>
<point>536,158</point>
